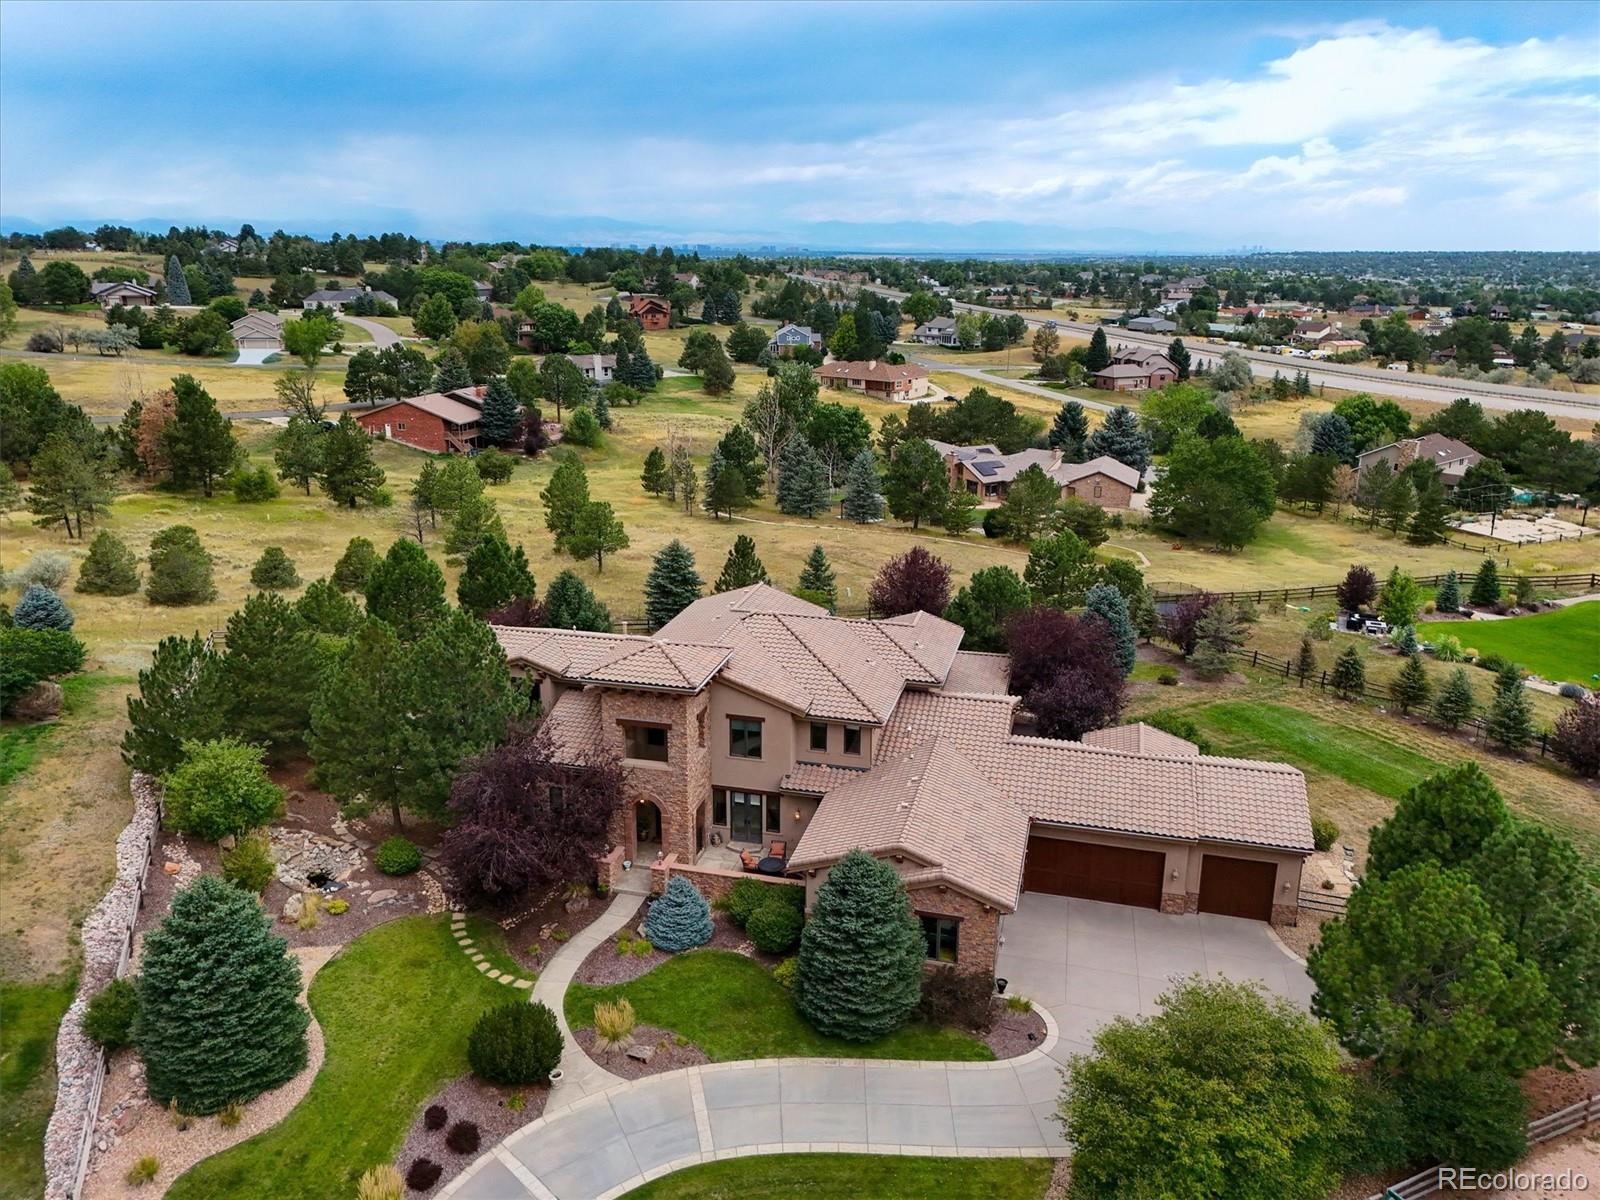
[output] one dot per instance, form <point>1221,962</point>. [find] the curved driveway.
<point>381,334</point>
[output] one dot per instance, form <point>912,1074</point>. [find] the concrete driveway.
<point>1089,962</point>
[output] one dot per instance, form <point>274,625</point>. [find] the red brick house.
<point>1136,377</point>
<point>880,380</point>
<point>652,312</point>
<point>440,423</point>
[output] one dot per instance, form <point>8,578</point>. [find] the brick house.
<point>900,383</point>
<point>439,422</point>
<point>652,312</point>
<point>987,474</point>
<point>109,294</point>
<point>1136,376</point>
<point>755,716</point>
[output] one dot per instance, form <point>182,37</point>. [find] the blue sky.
<point>899,126</point>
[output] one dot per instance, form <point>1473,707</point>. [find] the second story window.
<point>819,737</point>
<point>744,737</point>
<point>647,742</point>
<point>852,739</point>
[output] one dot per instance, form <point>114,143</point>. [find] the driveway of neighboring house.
<point>382,335</point>
<point>1089,962</point>
<point>253,358</point>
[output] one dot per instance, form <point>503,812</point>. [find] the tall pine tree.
<point>743,566</point>
<point>817,580</point>
<point>672,585</point>
<point>1070,430</point>
<point>569,604</point>
<point>270,672</point>
<point>494,575</point>
<point>199,440</point>
<point>863,499</point>
<point>1107,603</point>
<point>1098,357</point>
<point>406,590</point>
<point>499,419</point>
<point>1120,438</point>
<point>1510,718</point>
<point>802,480</point>
<point>656,477</point>
<point>177,283</point>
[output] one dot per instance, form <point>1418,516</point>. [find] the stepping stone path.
<point>458,930</point>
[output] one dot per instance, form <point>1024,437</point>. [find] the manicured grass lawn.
<point>1561,645</point>
<point>731,1008</point>
<point>1279,733</point>
<point>883,1177</point>
<point>396,1008</point>
<point>489,940</point>
<point>29,1014</point>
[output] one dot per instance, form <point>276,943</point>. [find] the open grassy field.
<point>104,387</point>
<point>1563,644</point>
<point>883,1177</point>
<point>29,1014</point>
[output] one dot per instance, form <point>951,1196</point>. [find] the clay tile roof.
<point>613,658</point>
<point>975,672</point>
<point>931,805</point>
<point>574,725</point>
<point>817,779</point>
<point>1139,738</point>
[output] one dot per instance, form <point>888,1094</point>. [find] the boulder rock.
<point>382,894</point>
<point>227,842</point>
<point>294,906</point>
<point>41,702</point>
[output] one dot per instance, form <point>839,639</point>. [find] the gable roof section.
<point>267,323</point>
<point>873,371</point>
<point>574,725</point>
<point>1139,738</point>
<point>1105,465</point>
<point>973,671</point>
<point>437,404</point>
<point>620,660</point>
<point>102,286</point>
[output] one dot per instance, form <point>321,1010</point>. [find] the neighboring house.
<point>652,312</point>
<point>880,380</point>
<point>1313,333</point>
<point>1143,356</point>
<point>437,422</point>
<point>482,290</point>
<point>1135,377</point>
<point>596,368</point>
<point>688,277</point>
<point>258,331</point>
<point>1499,312</point>
<point>940,331</point>
<point>336,298</point>
<point>1152,325</point>
<point>791,337</point>
<point>987,474</point>
<point>755,716</point>
<point>130,295</point>
<point>1450,456</point>
<point>228,245</point>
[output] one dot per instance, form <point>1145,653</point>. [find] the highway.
<point>1349,377</point>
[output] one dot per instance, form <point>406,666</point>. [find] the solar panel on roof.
<point>985,468</point>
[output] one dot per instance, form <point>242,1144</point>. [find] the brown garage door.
<point>1094,872</point>
<point>1237,887</point>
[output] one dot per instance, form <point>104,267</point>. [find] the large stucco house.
<point>754,716</point>
<point>988,474</point>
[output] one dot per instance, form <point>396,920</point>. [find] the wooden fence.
<point>1326,902</point>
<point>1541,1129</point>
<point>1171,593</point>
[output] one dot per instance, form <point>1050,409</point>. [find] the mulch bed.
<point>668,1056</point>
<point>467,1099</point>
<point>530,930</point>
<point>605,966</point>
<point>1014,1034</point>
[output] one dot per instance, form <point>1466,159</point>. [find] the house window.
<point>400,425</point>
<point>943,936</point>
<point>852,739</point>
<point>647,742</point>
<point>1097,489</point>
<point>719,807</point>
<point>744,737</point>
<point>819,737</point>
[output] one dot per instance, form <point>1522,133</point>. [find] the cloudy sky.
<point>897,126</point>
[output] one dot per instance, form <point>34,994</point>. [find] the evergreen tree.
<point>1455,705</point>
<point>597,533</point>
<point>1218,636</point>
<point>725,486</point>
<point>270,672</point>
<point>960,512</point>
<point>1061,569</point>
<point>1178,354</point>
<point>274,570</point>
<point>1398,503</point>
<point>300,452</point>
<point>569,604</point>
<point>1510,719</point>
<point>494,575</point>
<point>1331,438</point>
<point>684,482</point>
<point>354,568</point>
<point>1098,357</point>
<point>325,609</point>
<point>602,411</point>
<point>1107,603</point>
<point>475,518</point>
<point>680,919</point>
<point>219,1018</point>
<point>110,568</point>
<point>1448,598</point>
<point>499,418</point>
<point>1120,438</point>
<point>349,473</point>
<point>564,497</point>
<point>1428,521</point>
<point>802,480</point>
<point>41,608</point>
<point>1349,678</point>
<point>1485,585</point>
<point>1070,431</point>
<point>739,450</point>
<point>742,568</point>
<point>450,371</point>
<point>180,568</point>
<point>177,282</point>
<point>1371,489</point>
<point>656,476</point>
<point>68,481</point>
<point>917,483</point>
<point>863,502</point>
<point>181,698</point>
<point>406,590</point>
<point>984,606</point>
<point>716,373</point>
<point>817,579</point>
<point>861,953</point>
<point>1411,688</point>
<point>672,585</point>
<point>1305,664</point>
<point>199,441</point>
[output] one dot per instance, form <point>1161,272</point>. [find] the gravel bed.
<point>467,1099</point>
<point>605,966</point>
<point>668,1054</point>
<point>1014,1034</point>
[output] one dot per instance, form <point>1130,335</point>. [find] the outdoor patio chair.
<point>779,850</point>
<point>748,860</point>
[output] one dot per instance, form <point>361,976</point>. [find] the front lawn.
<point>731,1008</point>
<point>883,1177</point>
<point>1562,645</point>
<point>29,1014</point>
<point>396,1007</point>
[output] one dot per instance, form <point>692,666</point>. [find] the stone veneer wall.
<point>977,944</point>
<point>1177,902</point>
<point>679,786</point>
<point>711,882</point>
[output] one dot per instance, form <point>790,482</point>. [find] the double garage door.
<point>1231,887</point>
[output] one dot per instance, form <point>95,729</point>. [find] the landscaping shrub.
<point>110,569</point>
<point>109,1017</point>
<point>180,568</point>
<point>614,1023</point>
<point>380,1183</point>
<point>1377,1137</point>
<point>680,919</point>
<point>1324,833</point>
<point>1447,648</point>
<point>785,973</point>
<point>47,568</point>
<point>1575,740</point>
<point>143,1171</point>
<point>1572,691</point>
<point>43,653</point>
<point>1167,677</point>
<point>1178,725</point>
<point>463,1137</point>
<point>641,948</point>
<point>958,998</point>
<point>253,486</point>
<point>351,572</point>
<point>230,1114</point>
<point>274,570</point>
<point>775,926</point>
<point>220,788</point>
<point>1492,662</point>
<point>744,898</point>
<point>250,864</point>
<point>398,856</point>
<point>515,1043</point>
<point>40,608</point>
<point>494,466</point>
<point>328,610</point>
<point>435,1117</point>
<point>1478,1118</point>
<point>337,908</point>
<point>423,1174</point>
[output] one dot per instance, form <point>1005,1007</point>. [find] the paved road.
<point>382,335</point>
<point>982,375</point>
<point>1336,375</point>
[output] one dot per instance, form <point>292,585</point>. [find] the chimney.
<point>1055,457</point>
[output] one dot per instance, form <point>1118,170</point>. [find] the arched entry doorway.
<point>646,831</point>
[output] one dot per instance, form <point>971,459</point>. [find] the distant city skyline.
<point>1088,127</point>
